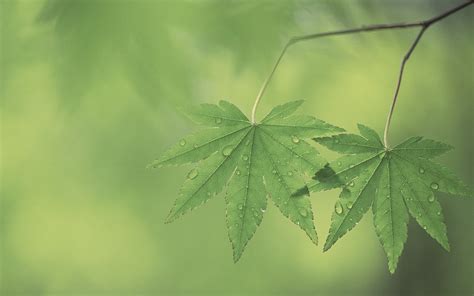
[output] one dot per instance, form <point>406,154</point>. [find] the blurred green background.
<point>89,92</point>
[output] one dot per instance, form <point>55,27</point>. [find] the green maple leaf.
<point>251,161</point>
<point>394,182</point>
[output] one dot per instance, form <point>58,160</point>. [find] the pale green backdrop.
<point>89,92</point>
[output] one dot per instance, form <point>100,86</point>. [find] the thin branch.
<point>423,24</point>
<point>400,76</point>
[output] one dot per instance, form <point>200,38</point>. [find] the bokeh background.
<point>89,96</point>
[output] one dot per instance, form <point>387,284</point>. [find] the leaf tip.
<point>237,255</point>
<point>171,217</point>
<point>327,246</point>
<point>155,164</point>
<point>392,269</point>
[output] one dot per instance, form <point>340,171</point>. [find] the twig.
<point>423,24</point>
<point>397,89</point>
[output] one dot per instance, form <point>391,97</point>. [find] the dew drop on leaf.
<point>193,174</point>
<point>339,163</point>
<point>303,212</point>
<point>295,139</point>
<point>290,173</point>
<point>182,142</point>
<point>237,172</point>
<point>349,205</point>
<point>218,120</point>
<point>431,198</point>
<point>351,184</point>
<point>421,170</point>
<point>245,157</point>
<point>240,206</point>
<point>227,150</point>
<point>274,171</point>
<point>336,141</point>
<point>338,207</point>
<point>434,186</point>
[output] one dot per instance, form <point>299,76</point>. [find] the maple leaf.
<point>394,182</point>
<point>251,161</point>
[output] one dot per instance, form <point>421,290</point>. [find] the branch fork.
<point>424,25</point>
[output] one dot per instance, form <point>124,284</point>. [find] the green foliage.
<point>391,181</point>
<point>252,161</point>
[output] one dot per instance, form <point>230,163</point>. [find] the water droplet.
<point>352,184</point>
<point>241,215</point>
<point>218,120</point>
<point>434,186</point>
<point>421,170</point>
<point>245,157</point>
<point>193,174</point>
<point>338,207</point>
<point>274,171</point>
<point>351,166</point>
<point>182,142</point>
<point>339,163</point>
<point>424,227</point>
<point>336,141</point>
<point>227,150</point>
<point>303,212</point>
<point>438,213</point>
<point>349,205</point>
<point>237,172</point>
<point>431,198</point>
<point>295,139</point>
<point>263,210</point>
<point>290,173</point>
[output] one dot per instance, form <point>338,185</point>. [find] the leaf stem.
<point>399,82</point>
<point>378,27</point>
